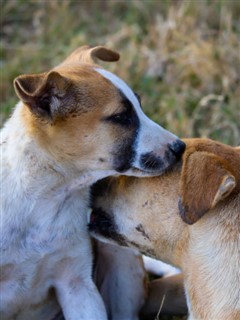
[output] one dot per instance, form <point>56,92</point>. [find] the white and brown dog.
<point>200,233</point>
<point>75,124</point>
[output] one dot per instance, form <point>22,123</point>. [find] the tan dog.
<point>200,233</point>
<point>75,124</point>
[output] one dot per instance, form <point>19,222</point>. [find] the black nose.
<point>177,147</point>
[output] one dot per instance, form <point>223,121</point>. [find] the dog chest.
<point>33,247</point>
<point>26,288</point>
<point>46,228</point>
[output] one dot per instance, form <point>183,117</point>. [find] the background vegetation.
<point>182,57</point>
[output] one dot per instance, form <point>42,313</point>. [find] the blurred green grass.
<point>182,57</point>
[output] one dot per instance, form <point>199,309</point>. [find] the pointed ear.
<point>204,182</point>
<point>86,54</point>
<point>41,92</point>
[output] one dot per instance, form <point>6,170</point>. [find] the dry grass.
<point>181,56</point>
<point>174,53</point>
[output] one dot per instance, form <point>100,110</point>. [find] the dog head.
<point>144,213</point>
<point>89,119</point>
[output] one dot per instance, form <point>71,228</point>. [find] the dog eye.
<point>123,118</point>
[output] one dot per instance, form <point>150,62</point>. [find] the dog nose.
<point>177,147</point>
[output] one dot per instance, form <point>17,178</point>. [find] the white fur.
<point>43,233</point>
<point>151,137</point>
<point>158,267</point>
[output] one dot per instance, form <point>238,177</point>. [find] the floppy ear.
<point>41,92</point>
<point>204,182</point>
<point>86,54</point>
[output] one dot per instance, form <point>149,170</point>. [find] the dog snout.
<point>177,147</point>
<point>149,161</point>
<point>152,162</point>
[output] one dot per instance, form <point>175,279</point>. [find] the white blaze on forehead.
<point>129,94</point>
<point>123,87</point>
<point>151,137</point>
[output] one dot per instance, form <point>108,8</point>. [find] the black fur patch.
<point>124,151</point>
<point>101,223</point>
<point>127,117</point>
<point>150,162</point>
<point>99,188</point>
<point>140,229</point>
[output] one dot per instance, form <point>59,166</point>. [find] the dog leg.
<point>119,275</point>
<point>76,292</point>
<point>81,301</point>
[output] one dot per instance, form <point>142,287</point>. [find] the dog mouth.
<point>156,171</point>
<point>137,172</point>
<point>151,164</point>
<point>98,219</point>
<point>100,222</point>
<point>102,227</point>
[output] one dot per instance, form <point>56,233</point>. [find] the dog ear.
<point>86,54</point>
<point>204,182</point>
<point>42,92</point>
